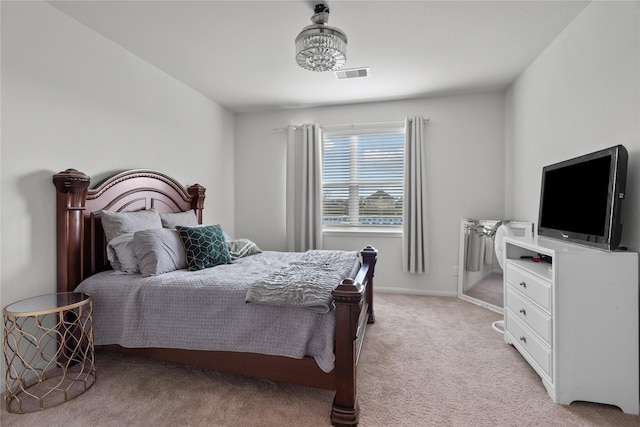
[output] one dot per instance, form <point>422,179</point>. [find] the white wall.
<point>580,95</point>
<point>71,98</point>
<point>466,174</point>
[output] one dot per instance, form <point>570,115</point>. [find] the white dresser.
<point>574,318</point>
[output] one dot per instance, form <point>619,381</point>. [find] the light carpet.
<point>427,361</point>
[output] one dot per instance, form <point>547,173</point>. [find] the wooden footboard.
<point>81,252</point>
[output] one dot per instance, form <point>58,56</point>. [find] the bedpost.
<point>351,296</point>
<point>348,296</point>
<point>370,257</point>
<point>71,192</point>
<point>197,202</point>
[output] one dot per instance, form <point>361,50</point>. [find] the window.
<point>362,177</point>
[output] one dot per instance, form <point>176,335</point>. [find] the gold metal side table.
<point>48,350</point>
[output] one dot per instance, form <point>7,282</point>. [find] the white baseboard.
<point>409,291</point>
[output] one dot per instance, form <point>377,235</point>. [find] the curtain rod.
<point>394,122</point>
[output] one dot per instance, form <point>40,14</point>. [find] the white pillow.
<point>159,250</point>
<point>121,255</point>
<point>186,219</point>
<point>118,223</point>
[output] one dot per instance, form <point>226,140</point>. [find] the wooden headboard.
<point>81,244</point>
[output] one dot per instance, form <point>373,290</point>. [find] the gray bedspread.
<point>206,310</point>
<point>305,283</point>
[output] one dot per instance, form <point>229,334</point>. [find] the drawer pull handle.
<point>523,311</point>
<point>523,339</point>
<point>523,284</point>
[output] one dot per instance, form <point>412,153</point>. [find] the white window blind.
<point>362,177</point>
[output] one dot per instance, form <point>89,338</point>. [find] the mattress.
<point>206,310</point>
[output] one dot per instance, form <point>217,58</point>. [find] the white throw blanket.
<point>306,283</point>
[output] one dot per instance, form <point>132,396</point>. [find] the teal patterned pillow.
<point>204,246</point>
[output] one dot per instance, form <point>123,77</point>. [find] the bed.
<point>82,258</point>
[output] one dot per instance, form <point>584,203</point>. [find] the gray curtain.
<point>415,243</point>
<point>304,187</point>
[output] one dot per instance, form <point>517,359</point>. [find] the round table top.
<point>44,304</point>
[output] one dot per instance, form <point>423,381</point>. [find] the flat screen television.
<point>581,198</point>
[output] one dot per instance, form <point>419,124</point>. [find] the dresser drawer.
<point>535,288</point>
<point>531,315</point>
<point>529,345</point>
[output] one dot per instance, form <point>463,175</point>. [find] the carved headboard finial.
<point>197,191</point>
<point>71,181</point>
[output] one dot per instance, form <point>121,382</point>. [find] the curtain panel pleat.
<point>304,187</point>
<point>415,247</point>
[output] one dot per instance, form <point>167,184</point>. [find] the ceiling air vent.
<point>352,73</point>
